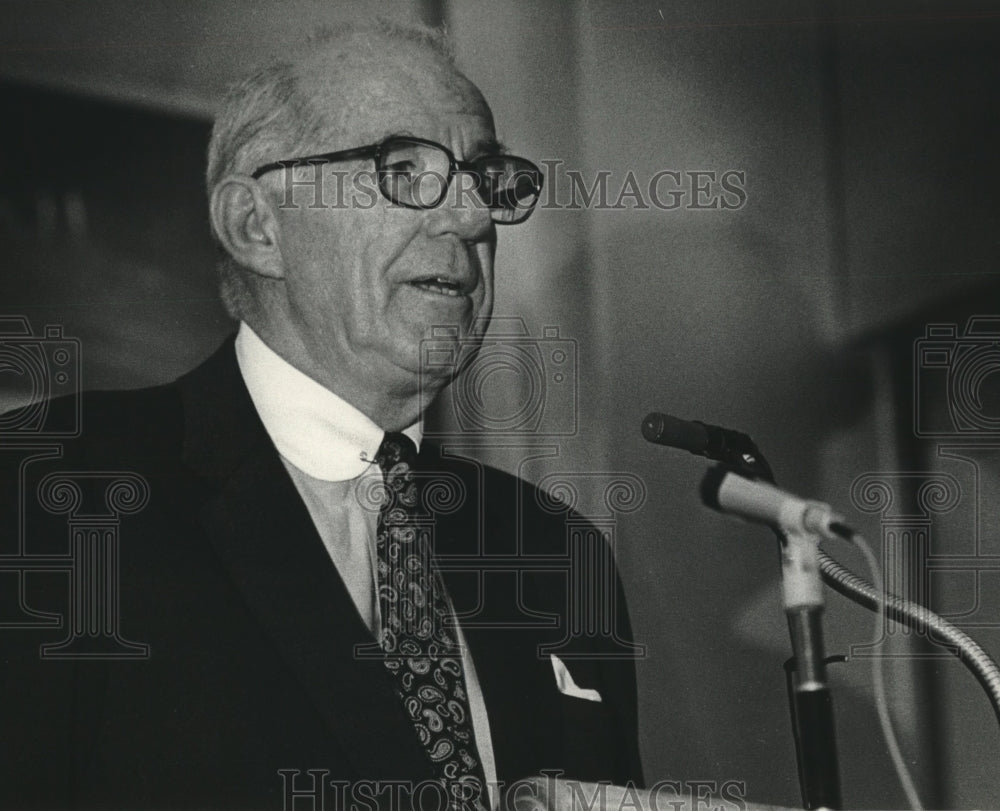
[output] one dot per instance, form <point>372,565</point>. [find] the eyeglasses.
<point>416,173</point>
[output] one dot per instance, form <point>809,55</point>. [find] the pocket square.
<point>566,685</point>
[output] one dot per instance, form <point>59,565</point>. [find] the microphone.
<point>702,439</point>
<point>801,523</point>
<point>763,503</point>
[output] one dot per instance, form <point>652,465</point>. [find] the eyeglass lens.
<point>416,174</point>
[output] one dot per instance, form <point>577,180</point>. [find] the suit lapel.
<point>526,729</point>
<point>517,684</point>
<point>264,536</point>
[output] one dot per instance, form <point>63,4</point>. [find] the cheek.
<point>485,256</point>
<point>331,272</point>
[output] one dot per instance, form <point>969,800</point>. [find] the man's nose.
<point>463,212</point>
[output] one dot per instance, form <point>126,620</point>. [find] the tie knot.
<point>396,448</point>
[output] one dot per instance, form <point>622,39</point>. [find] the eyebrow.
<point>489,146</point>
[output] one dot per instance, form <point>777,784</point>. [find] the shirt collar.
<point>320,433</point>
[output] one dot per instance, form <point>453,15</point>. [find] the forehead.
<point>366,96</point>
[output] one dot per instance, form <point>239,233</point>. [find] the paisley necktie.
<point>420,646</point>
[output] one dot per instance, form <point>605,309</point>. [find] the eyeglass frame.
<point>374,151</point>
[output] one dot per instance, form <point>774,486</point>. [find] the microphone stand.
<point>809,697</point>
<point>808,693</point>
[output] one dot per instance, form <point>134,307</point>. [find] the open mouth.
<point>437,284</point>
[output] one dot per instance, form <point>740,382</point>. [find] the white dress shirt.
<point>328,448</point>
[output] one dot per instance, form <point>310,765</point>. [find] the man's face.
<point>357,278</point>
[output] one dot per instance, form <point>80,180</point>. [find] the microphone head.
<point>663,429</point>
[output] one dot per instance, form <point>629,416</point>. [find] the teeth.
<point>439,285</point>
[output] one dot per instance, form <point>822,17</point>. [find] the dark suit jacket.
<point>251,632</point>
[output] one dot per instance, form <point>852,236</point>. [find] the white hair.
<point>266,117</point>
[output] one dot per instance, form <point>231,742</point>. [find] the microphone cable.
<point>895,608</point>
<point>878,674</point>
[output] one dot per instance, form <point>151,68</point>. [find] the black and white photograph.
<point>499,405</point>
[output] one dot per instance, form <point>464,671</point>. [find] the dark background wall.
<point>105,232</point>
<point>867,136</point>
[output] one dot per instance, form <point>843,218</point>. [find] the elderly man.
<point>299,643</point>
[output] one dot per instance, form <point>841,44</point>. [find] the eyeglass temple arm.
<point>315,160</point>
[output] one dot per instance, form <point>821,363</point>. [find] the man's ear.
<point>245,224</point>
